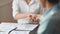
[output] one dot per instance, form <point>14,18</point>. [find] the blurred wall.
<point>6,11</point>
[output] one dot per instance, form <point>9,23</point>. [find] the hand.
<point>37,18</point>
<point>34,18</point>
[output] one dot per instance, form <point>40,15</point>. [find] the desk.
<point>6,27</point>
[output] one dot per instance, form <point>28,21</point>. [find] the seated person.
<point>24,9</point>
<point>50,20</point>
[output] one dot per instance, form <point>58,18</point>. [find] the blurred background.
<point>6,11</point>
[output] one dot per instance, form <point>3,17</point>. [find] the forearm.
<point>20,16</point>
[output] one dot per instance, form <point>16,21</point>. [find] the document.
<point>27,27</point>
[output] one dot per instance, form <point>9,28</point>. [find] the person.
<point>24,10</point>
<point>50,20</point>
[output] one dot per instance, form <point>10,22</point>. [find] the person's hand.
<point>34,18</point>
<point>31,17</point>
<point>37,18</point>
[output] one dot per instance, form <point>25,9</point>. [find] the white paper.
<point>27,26</point>
<point>20,32</point>
<point>6,27</point>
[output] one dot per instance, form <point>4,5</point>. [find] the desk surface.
<point>9,26</point>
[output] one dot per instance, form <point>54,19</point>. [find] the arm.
<point>16,14</point>
<point>23,15</point>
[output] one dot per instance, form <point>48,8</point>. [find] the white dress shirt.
<point>20,6</point>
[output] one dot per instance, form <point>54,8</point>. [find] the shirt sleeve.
<point>15,7</point>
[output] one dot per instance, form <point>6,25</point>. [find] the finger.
<point>30,17</point>
<point>32,21</point>
<point>37,19</point>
